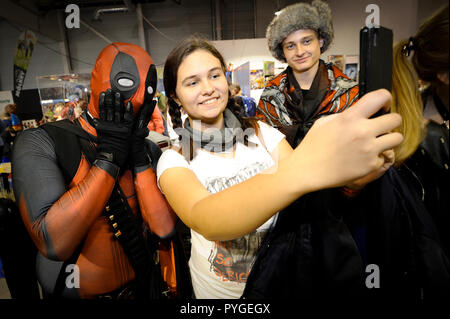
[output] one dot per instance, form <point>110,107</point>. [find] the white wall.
<point>5,99</point>
<point>254,51</point>
<point>349,17</point>
<point>426,8</point>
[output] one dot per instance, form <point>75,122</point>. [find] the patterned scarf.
<point>214,140</point>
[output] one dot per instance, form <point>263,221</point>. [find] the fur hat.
<point>315,16</point>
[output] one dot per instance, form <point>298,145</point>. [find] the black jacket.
<point>427,172</point>
<point>313,254</point>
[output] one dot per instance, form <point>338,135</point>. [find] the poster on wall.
<point>338,61</point>
<point>5,99</point>
<point>229,73</point>
<point>351,66</point>
<point>269,68</point>
<point>269,71</point>
<point>159,74</point>
<point>22,55</point>
<point>241,75</point>
<point>256,79</point>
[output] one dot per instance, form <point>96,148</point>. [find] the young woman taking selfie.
<point>228,190</point>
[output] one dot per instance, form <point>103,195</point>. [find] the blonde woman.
<point>423,157</point>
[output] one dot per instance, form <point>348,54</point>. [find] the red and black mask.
<point>124,68</point>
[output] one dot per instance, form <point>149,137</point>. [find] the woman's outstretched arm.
<point>338,149</point>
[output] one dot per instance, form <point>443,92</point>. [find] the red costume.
<point>61,216</point>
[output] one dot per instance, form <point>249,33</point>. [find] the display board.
<point>28,105</point>
<point>63,96</point>
<point>241,75</point>
<point>5,99</point>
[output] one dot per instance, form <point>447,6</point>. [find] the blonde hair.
<point>407,101</point>
<point>429,48</point>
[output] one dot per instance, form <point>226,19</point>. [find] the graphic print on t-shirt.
<point>232,260</point>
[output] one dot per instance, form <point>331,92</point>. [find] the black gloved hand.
<point>113,128</point>
<point>138,154</point>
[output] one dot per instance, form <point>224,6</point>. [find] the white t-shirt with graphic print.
<point>220,269</point>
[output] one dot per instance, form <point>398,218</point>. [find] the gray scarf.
<point>215,140</point>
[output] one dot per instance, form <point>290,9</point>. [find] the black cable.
<point>56,51</point>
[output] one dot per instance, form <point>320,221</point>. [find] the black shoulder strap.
<point>69,140</point>
<point>71,127</point>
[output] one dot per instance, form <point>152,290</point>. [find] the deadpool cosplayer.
<point>87,190</point>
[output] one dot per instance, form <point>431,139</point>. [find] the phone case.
<point>375,48</point>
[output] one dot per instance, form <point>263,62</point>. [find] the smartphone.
<point>375,60</point>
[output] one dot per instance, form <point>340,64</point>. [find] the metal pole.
<point>141,33</point>
<point>65,45</point>
<point>254,19</point>
<point>218,21</point>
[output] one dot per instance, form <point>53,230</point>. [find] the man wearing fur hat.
<point>308,88</point>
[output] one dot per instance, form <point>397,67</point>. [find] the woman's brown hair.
<point>173,62</point>
<point>10,109</point>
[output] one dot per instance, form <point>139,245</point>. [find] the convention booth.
<point>63,96</point>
